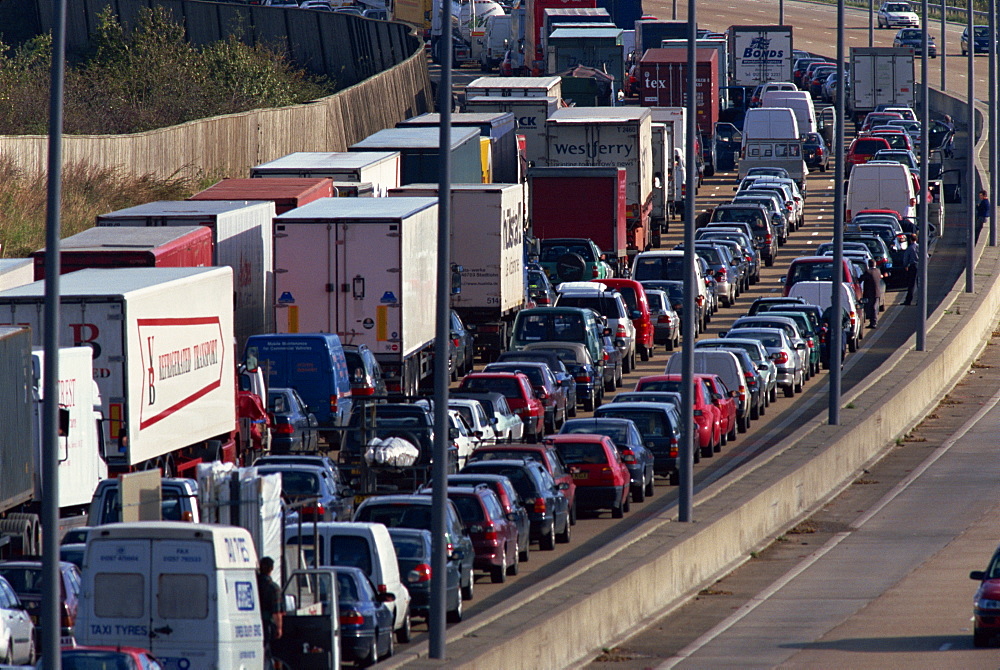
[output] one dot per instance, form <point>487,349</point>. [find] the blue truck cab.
<point>314,365</point>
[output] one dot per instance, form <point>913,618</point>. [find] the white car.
<point>461,436</point>
<point>17,634</point>
<point>475,417</point>
<point>897,15</point>
<point>507,426</point>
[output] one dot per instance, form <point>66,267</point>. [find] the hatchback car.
<point>413,557</point>
<point>572,259</point>
<point>609,304</point>
<point>548,508</point>
<point>815,153</point>
<point>365,620</point>
<point>981,40</point>
<point>626,437</point>
<point>367,378</point>
<point>17,627</point>
<point>551,359</point>
<point>507,426</point>
<point>552,393</point>
<point>789,364</point>
<point>659,424</point>
<point>517,389</point>
<point>666,321</point>
<point>863,149</point>
<point>542,453</point>
<point>540,289</point>
<point>602,480</point>
<point>758,354</point>
<point>914,39</point>
<point>463,346</point>
<point>25,578</point>
<point>512,505</point>
<point>475,418</point>
<point>293,426</point>
<point>313,493</point>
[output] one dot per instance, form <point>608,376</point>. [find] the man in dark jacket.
<point>871,292</point>
<point>911,261</point>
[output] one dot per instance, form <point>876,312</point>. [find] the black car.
<point>367,378</point>
<point>293,426</point>
<point>659,424</point>
<point>553,393</point>
<point>413,555</point>
<point>637,458</point>
<point>815,152</point>
<point>981,41</point>
<point>914,38</point>
<point>548,508</point>
<point>414,511</point>
<point>365,620</point>
<point>463,347</point>
<point>556,366</point>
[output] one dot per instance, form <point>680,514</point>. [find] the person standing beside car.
<point>271,613</point>
<point>982,208</point>
<point>911,261</point>
<point>871,292</point>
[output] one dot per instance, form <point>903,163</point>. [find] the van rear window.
<point>119,595</point>
<point>183,596</point>
<point>352,552</point>
<point>659,267</point>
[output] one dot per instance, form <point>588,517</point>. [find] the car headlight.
<point>987,604</point>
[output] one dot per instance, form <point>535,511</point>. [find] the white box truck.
<point>664,194</point>
<point>618,137</point>
<point>759,54</point>
<point>530,114</point>
<point>241,230</point>
<point>880,76</point>
<point>364,269</point>
<point>163,358</point>
<point>676,118</point>
<point>81,448</point>
<point>487,242</point>
<point>522,87</point>
<point>379,168</point>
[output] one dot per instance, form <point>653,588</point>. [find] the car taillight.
<point>606,357</point>
<point>284,429</point>
<point>628,456</point>
<point>789,205</point>
<point>674,447</point>
<point>780,357</point>
<point>455,341</point>
<point>768,238</point>
<point>854,318</point>
<point>700,300</point>
<point>543,300</point>
<point>421,573</point>
<point>743,392</point>
<point>351,618</point>
<point>67,620</point>
<point>810,343</point>
<point>363,390</point>
<point>750,378</point>
<point>594,273</point>
<point>333,404</point>
<point>819,151</point>
<point>393,386</point>
<point>583,379</point>
<point>540,507</point>
<point>663,318</point>
<point>313,511</point>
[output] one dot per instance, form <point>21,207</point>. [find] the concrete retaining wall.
<point>230,145</point>
<point>657,566</point>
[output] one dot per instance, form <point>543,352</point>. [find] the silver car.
<point>790,369</point>
<point>666,322</point>
<point>791,328</point>
<point>758,354</point>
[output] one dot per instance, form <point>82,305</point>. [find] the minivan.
<point>357,545</point>
<point>557,324</point>
<point>314,365</point>
<point>881,185</point>
<point>186,592</point>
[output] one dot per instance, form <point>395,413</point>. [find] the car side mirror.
<point>978,575</point>
<point>734,394</point>
<point>453,433</point>
<point>457,555</point>
<point>511,516</point>
<point>386,597</point>
<point>636,314</point>
<point>606,332</point>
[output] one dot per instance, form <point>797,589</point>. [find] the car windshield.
<point>767,339</point>
<point>296,483</point>
<point>551,325</point>
<point>659,385</point>
<point>910,35</point>
<point>650,423</point>
<point>470,510</point>
<point>92,659</point>
<point>550,253</point>
<point>897,7</point>
<point>655,304</point>
<point>605,305</point>
<point>24,580</point>
<point>616,431</point>
<point>408,547</point>
<point>397,515</point>
<point>533,373</point>
<point>522,482</point>
<point>752,216</point>
<point>812,272</point>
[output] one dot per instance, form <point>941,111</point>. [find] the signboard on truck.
<point>162,347</point>
<point>760,54</point>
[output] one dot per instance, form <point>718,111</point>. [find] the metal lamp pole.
<point>944,50</point>
<point>970,243</point>
<point>836,307</point>
<point>925,122</point>
<point>992,86</point>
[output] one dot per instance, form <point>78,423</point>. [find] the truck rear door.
<point>366,263</point>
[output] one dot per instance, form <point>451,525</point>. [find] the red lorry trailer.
<point>166,247</point>
<point>286,193</point>
<point>663,83</point>
<point>557,210</point>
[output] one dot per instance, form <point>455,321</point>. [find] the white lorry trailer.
<point>241,231</point>
<point>381,169</point>
<point>487,243</point>
<point>365,269</point>
<point>880,76</point>
<point>163,358</point>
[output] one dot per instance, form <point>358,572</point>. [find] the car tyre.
<point>571,410</point>
<point>708,452</point>
<point>469,591</point>
<point>651,486</point>
<point>565,536</point>
<point>572,513</point>
<point>980,638</point>
<point>626,364</point>
<point>548,541</point>
<point>639,493</point>
<point>618,512</point>
<point>515,567</point>
<point>588,404</point>
<point>610,385</point>
<point>755,412</point>
<point>798,386</point>
<point>498,573</point>
<point>455,615</point>
<point>742,424</point>
<point>371,658</point>
<point>523,556</point>
<point>644,353</point>
<point>404,634</point>
<point>789,391</point>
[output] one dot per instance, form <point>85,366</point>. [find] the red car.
<point>817,268</point>
<point>635,298</point>
<point>544,454</point>
<point>986,602</point>
<point>726,404</point>
<point>516,388</point>
<point>707,416</point>
<point>126,658</point>
<point>863,149</point>
<point>602,478</point>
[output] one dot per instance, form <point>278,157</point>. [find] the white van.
<point>358,545</point>
<point>187,592</point>
<point>801,104</point>
<point>771,138</point>
<point>881,185</point>
<point>727,366</point>
<point>818,293</point>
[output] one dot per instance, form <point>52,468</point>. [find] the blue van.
<point>314,365</point>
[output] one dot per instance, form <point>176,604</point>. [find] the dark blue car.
<point>637,458</point>
<point>313,492</point>
<point>293,426</point>
<point>413,555</point>
<point>365,621</point>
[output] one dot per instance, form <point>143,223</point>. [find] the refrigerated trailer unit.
<point>499,127</point>
<point>163,358</point>
<point>880,76</point>
<point>15,272</point>
<point>242,238</point>
<point>286,193</point>
<point>364,269</point>
<point>518,87</point>
<point>530,114</point>
<point>487,242</point>
<point>420,152</point>
<point>132,247</point>
<point>16,479</point>
<point>380,168</point>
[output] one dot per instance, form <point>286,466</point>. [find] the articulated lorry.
<point>880,76</point>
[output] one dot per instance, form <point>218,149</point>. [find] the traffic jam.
<point>247,372</point>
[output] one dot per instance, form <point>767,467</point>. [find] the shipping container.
<point>609,137</point>
<point>520,87</point>
<point>420,149</point>
<point>535,30</point>
<point>650,33</point>
<point>557,210</point>
<point>100,247</point>
<point>163,357</point>
<point>530,115</point>
<point>722,46</point>
<point>880,76</point>
<point>364,269</point>
<point>499,127</point>
<point>381,168</point>
<point>16,478</point>
<point>624,13</point>
<point>16,272</point>
<point>487,242</point>
<point>760,54</point>
<point>599,48</point>
<point>242,239</point>
<point>285,193</point>
<point>81,449</point>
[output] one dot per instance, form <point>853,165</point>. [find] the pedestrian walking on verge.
<point>871,289</point>
<point>982,208</point>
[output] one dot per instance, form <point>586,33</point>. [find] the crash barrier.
<point>230,145</point>
<point>654,568</point>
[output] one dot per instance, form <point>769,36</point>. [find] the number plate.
<point>580,475</point>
